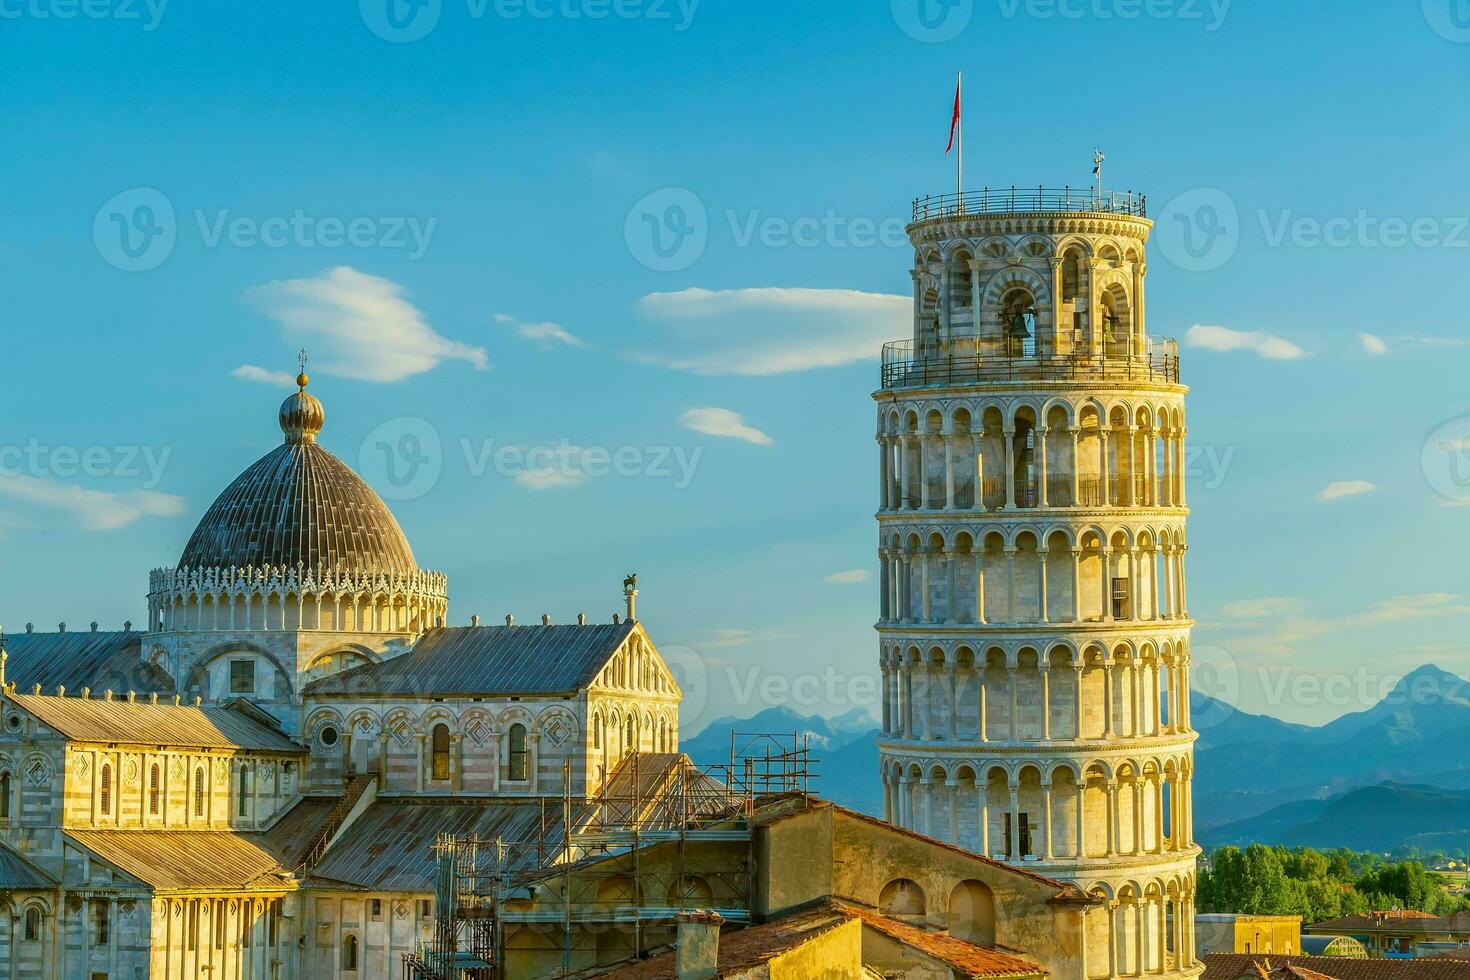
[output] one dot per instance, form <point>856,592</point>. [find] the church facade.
<point>250,786</point>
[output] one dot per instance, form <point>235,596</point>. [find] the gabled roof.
<point>390,847</point>
<point>966,959</point>
<point>486,660</point>
<point>1066,891</point>
<point>97,659</point>
<point>121,721</point>
<point>18,873</point>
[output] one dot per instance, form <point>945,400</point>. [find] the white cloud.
<point>249,372</point>
<point>725,423</point>
<point>91,510</point>
<point>546,333</point>
<point>850,577</point>
<point>1261,608</point>
<point>770,330</point>
<point>1224,339</point>
<point>1346,488</point>
<point>549,478</point>
<point>358,326</point>
<point>1374,345</point>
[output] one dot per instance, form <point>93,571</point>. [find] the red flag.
<point>954,122</point>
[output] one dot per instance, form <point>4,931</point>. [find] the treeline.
<point>1317,885</point>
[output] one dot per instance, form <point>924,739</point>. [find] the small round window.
<point>13,723</point>
<point>329,736</point>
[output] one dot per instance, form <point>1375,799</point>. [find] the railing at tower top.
<point>903,367</point>
<point>1025,200</point>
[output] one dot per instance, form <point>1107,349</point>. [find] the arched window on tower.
<point>153,790</point>
<point>440,752</point>
<point>518,769</point>
<point>104,790</point>
<point>199,792</point>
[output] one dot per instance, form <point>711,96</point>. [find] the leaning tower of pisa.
<point>1033,631</point>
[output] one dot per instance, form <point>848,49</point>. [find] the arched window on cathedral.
<point>104,790</point>
<point>199,792</point>
<point>349,953</point>
<point>440,749</point>
<point>33,925</point>
<point>597,731</point>
<point>630,738</point>
<point>4,797</point>
<point>517,751</point>
<point>244,808</point>
<point>153,790</point>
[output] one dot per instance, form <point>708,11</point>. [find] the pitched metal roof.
<point>98,659</point>
<point>17,872</point>
<point>170,859</point>
<point>480,660</point>
<point>299,505</point>
<point>141,723</point>
<point>390,847</point>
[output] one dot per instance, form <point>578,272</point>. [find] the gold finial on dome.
<point>302,415</point>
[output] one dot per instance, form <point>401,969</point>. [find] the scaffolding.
<point>607,877</point>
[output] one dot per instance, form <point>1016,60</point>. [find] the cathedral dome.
<point>300,505</point>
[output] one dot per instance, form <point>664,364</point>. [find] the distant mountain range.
<point>1247,765</point>
<point>1396,774</point>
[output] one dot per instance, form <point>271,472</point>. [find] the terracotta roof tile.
<point>1233,966</point>
<point>966,959</point>
<point>745,948</point>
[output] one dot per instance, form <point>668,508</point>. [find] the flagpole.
<point>960,166</point>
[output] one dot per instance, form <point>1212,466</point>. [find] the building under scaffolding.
<point>605,879</point>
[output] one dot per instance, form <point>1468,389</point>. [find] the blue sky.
<point>454,224</point>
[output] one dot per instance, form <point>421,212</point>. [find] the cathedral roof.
<point>96,659</point>
<point>119,720</point>
<point>391,846</point>
<point>17,872</point>
<point>480,660</point>
<point>299,505</point>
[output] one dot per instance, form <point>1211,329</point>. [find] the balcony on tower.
<point>1029,285</point>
